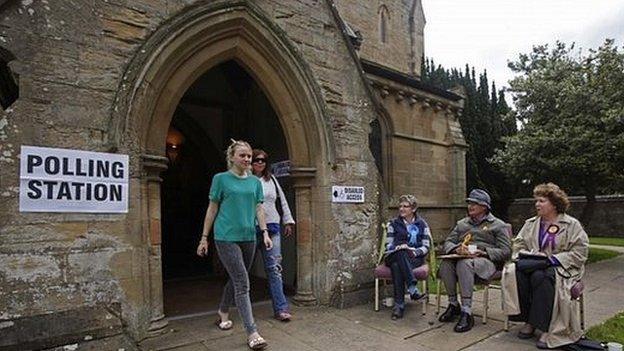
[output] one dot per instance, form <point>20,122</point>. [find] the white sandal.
<point>223,325</point>
<point>257,343</point>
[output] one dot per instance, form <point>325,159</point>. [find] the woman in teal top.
<point>235,203</point>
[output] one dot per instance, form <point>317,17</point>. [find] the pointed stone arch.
<point>178,53</point>
<point>200,38</point>
<point>383,161</point>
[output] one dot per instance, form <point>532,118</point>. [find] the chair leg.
<point>438,298</point>
<point>376,294</point>
<point>582,311</point>
<point>506,323</point>
<point>424,289</point>
<point>486,302</point>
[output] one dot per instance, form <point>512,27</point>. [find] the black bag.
<point>278,202</point>
<point>528,265</point>
<point>585,344</point>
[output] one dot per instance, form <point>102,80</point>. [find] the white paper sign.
<point>351,194</point>
<point>64,180</point>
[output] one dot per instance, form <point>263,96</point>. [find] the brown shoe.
<point>283,316</point>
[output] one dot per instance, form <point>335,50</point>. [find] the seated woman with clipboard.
<point>549,258</point>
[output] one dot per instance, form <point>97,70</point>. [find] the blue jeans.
<point>237,258</point>
<point>273,268</point>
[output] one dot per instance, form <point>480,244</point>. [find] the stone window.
<point>384,17</point>
<point>379,143</point>
<point>9,90</point>
<point>375,144</point>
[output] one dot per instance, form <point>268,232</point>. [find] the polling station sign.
<point>64,180</point>
<point>348,194</point>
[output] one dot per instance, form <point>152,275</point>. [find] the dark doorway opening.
<point>9,88</point>
<point>223,103</point>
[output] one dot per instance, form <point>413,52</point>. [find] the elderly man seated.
<point>481,242</point>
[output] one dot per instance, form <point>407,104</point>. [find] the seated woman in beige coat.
<point>549,253</point>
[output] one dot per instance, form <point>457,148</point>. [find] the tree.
<point>484,122</point>
<point>571,108</point>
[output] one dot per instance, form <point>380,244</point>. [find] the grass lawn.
<point>596,255</point>
<point>606,241</point>
<point>611,330</point>
<point>433,283</point>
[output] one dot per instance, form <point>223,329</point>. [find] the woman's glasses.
<point>258,160</point>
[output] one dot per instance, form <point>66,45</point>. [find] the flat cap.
<point>481,197</point>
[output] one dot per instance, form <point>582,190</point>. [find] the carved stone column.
<point>303,196</point>
<point>152,167</point>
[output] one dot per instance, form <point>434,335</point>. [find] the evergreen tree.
<point>485,120</point>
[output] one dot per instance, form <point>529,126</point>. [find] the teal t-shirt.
<point>237,198</point>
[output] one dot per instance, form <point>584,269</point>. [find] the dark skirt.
<point>536,294</point>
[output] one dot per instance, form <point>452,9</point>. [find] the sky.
<point>487,34</point>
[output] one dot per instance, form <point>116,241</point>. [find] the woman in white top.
<point>272,257</point>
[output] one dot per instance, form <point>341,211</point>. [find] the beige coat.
<point>571,250</point>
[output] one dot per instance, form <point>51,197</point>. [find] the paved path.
<point>360,328</point>
<point>607,247</point>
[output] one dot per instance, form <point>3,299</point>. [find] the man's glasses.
<point>258,160</point>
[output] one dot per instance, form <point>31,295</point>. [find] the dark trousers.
<point>536,294</point>
<point>401,265</point>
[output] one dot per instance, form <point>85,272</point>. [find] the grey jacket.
<point>490,235</point>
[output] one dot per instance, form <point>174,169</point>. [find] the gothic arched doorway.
<point>174,58</point>
<point>223,103</point>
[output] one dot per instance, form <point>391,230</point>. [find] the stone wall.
<point>403,49</point>
<point>425,150</point>
<point>79,64</point>
<point>608,218</point>
<point>71,59</point>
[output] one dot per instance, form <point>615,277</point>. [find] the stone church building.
<point>330,88</point>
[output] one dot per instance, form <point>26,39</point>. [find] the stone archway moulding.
<point>168,63</point>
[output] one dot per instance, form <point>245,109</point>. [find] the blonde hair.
<point>231,150</point>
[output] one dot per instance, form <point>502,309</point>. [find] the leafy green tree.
<point>571,108</point>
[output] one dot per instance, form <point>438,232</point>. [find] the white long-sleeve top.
<point>270,197</point>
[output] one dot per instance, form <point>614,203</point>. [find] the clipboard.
<point>455,256</point>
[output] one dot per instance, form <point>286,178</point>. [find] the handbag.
<point>278,200</point>
<point>528,264</point>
